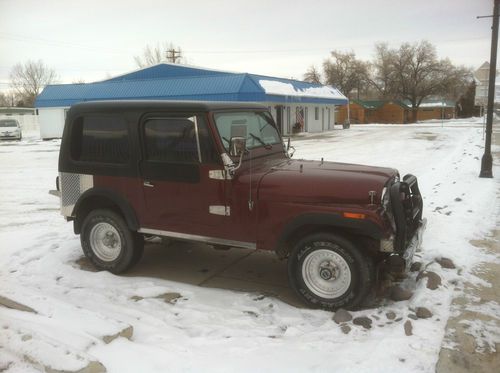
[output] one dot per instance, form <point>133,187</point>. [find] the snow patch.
<point>273,87</point>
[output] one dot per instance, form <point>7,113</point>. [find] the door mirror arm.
<point>288,147</point>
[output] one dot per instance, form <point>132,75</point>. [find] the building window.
<point>316,113</point>
<point>100,139</point>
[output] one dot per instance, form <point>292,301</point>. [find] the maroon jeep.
<point>220,173</point>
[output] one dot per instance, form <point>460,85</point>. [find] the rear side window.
<point>100,139</point>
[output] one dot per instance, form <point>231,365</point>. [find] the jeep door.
<point>179,196</point>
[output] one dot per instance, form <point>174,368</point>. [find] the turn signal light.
<point>353,215</point>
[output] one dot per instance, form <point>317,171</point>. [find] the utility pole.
<point>487,160</point>
<point>174,55</point>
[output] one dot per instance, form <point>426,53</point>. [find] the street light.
<point>487,160</point>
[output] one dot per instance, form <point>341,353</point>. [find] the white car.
<point>10,129</point>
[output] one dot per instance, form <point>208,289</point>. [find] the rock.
<point>91,367</point>
<point>408,328</point>
<point>416,266</point>
<point>342,316</point>
<point>458,199</point>
<point>364,321</point>
<point>136,298</point>
<point>125,333</point>
<point>390,315</point>
<point>433,279</point>
<point>9,303</point>
<point>446,263</point>
<point>399,294</point>
<point>24,338</point>
<point>412,316</point>
<point>169,297</point>
<point>252,313</point>
<point>423,313</point>
<point>345,329</point>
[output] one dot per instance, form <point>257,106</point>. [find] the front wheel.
<point>108,243</point>
<point>327,271</point>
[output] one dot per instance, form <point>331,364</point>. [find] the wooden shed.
<point>393,112</point>
<point>436,110</point>
<point>361,112</point>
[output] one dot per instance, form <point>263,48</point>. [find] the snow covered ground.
<point>75,315</point>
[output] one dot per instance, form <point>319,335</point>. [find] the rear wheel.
<point>108,242</point>
<point>327,271</point>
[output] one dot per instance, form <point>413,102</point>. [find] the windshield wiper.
<point>267,146</point>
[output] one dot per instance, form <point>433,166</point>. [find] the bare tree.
<point>153,55</point>
<point>382,76</point>
<point>312,75</point>
<point>28,79</point>
<point>345,72</point>
<point>4,100</point>
<point>413,72</point>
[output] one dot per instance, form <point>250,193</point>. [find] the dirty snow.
<point>222,330</point>
<point>273,87</point>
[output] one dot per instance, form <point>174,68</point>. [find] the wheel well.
<point>93,203</point>
<point>366,243</point>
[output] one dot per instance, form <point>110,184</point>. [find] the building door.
<point>279,118</point>
<point>323,119</point>
<point>299,118</point>
<point>288,120</point>
<point>306,120</point>
<point>179,194</point>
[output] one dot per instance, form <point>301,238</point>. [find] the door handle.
<point>148,184</point>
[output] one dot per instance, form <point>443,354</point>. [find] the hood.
<point>324,182</point>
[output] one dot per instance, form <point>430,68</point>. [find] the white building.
<point>295,105</point>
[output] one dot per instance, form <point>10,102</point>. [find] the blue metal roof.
<point>166,70</point>
<point>175,82</point>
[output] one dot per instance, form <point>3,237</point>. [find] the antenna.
<point>250,200</point>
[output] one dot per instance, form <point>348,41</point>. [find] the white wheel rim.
<point>326,273</point>
<point>105,242</point>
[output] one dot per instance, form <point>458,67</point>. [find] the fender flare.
<point>124,206</point>
<point>331,220</point>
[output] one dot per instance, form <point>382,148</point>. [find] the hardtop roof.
<point>110,105</point>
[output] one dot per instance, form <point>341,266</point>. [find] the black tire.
<point>360,267</point>
<point>131,243</point>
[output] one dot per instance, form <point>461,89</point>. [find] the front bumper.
<point>11,136</point>
<point>401,262</point>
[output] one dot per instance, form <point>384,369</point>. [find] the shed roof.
<point>179,82</point>
<point>370,104</point>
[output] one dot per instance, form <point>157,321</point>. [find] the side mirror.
<point>289,149</point>
<point>237,146</point>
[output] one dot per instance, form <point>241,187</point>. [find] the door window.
<point>175,146</point>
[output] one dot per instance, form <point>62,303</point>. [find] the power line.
<point>24,38</point>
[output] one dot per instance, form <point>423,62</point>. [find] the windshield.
<point>8,123</point>
<point>256,127</point>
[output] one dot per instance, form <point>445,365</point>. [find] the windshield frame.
<point>264,112</point>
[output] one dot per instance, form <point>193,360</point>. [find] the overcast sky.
<point>90,40</point>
